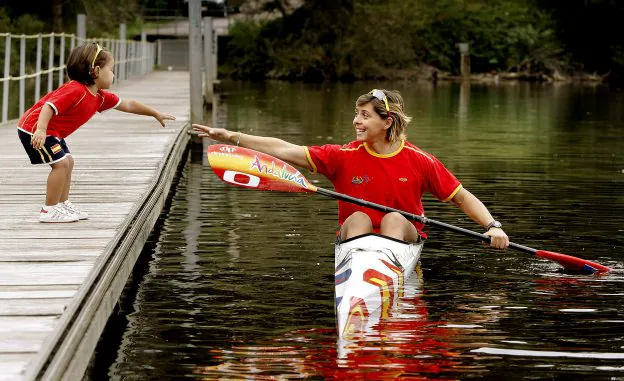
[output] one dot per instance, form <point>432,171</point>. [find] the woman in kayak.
<point>379,166</point>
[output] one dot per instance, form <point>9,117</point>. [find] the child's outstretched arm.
<point>139,108</point>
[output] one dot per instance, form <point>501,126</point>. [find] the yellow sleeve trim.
<point>453,194</point>
<point>307,152</point>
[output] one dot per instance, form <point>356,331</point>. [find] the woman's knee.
<point>396,226</point>
<point>356,224</point>
<point>359,218</point>
<point>393,219</point>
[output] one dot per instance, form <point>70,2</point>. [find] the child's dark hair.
<point>83,60</point>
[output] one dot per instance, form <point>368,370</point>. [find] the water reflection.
<point>401,344</point>
<point>240,284</point>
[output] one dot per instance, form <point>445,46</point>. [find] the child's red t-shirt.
<point>73,106</point>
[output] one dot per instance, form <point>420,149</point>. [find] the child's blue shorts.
<point>53,150</point>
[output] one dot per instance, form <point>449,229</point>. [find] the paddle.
<point>256,170</point>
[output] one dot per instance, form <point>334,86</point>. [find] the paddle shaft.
<point>415,217</point>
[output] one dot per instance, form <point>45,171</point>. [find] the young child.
<point>44,127</point>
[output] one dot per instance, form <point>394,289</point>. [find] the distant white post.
<point>464,64</point>
<point>61,61</point>
<point>81,26</point>
<point>208,78</point>
<point>122,51</point>
<point>144,60</point>
<point>38,69</point>
<point>195,58</point>
<point>215,55</point>
<point>22,74</point>
<point>7,72</point>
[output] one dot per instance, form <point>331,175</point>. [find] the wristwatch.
<point>494,224</point>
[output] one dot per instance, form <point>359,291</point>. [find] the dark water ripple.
<point>239,284</point>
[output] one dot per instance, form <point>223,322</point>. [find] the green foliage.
<point>27,24</point>
<point>367,38</point>
<point>104,16</point>
<point>249,53</point>
<point>5,21</point>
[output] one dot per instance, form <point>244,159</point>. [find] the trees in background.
<point>591,31</point>
<point>375,38</point>
<point>348,39</point>
<point>60,16</point>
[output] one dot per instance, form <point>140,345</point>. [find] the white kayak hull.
<point>370,275</point>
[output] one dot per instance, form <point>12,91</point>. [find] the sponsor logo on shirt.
<point>357,180</point>
<point>403,179</point>
<point>56,148</point>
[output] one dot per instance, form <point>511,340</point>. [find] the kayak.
<point>370,275</point>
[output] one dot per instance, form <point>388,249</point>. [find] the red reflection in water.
<point>402,346</point>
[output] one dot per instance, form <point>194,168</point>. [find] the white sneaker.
<point>57,214</point>
<point>73,210</point>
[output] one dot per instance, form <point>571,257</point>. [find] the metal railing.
<point>132,59</point>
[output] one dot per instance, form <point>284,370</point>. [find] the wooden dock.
<point>60,282</point>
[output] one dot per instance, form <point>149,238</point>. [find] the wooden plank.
<point>30,323</point>
<point>43,255</point>
<point>59,287</point>
<point>33,307</point>
<point>36,294</point>
<point>28,273</point>
<point>12,365</point>
<point>7,246</point>
<point>53,234</point>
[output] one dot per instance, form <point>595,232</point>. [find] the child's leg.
<point>65,192</point>
<point>56,181</point>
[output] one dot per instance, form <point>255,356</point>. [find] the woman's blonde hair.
<point>396,105</point>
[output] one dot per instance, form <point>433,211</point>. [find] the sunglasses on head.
<point>381,96</point>
<point>99,49</point>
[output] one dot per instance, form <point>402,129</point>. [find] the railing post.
<point>7,73</point>
<point>50,61</point>
<point>144,61</point>
<point>22,71</point>
<point>208,79</point>
<point>62,60</point>
<point>122,51</point>
<point>38,70</point>
<point>159,52</point>
<point>215,55</point>
<point>195,57</point>
<point>81,26</point>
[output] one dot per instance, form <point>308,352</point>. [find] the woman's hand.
<point>499,239</point>
<point>162,117</point>
<point>219,134</point>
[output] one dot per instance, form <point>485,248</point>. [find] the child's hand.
<point>160,117</point>
<point>38,138</point>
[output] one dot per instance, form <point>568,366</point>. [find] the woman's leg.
<point>65,192</point>
<point>356,224</point>
<point>56,182</point>
<point>396,226</point>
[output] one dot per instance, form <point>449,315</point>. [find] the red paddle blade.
<point>252,169</point>
<point>573,263</point>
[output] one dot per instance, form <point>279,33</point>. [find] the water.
<point>238,284</point>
